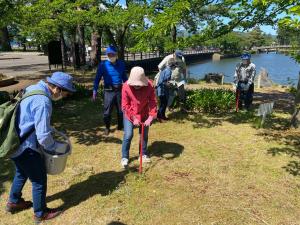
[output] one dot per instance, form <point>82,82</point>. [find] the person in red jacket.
<point>139,106</point>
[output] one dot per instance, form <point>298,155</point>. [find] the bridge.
<point>150,60</point>
<point>273,48</point>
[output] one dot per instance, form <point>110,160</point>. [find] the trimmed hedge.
<point>210,100</point>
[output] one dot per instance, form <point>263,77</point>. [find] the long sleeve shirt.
<point>245,73</point>
<point>113,74</point>
<point>139,103</point>
<point>180,62</point>
<point>35,112</point>
<point>164,77</point>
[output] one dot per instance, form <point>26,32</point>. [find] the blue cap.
<point>111,50</point>
<point>245,56</point>
<point>178,53</point>
<point>62,80</point>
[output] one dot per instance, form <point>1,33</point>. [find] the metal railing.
<point>129,56</point>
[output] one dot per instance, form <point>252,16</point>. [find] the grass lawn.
<point>206,169</point>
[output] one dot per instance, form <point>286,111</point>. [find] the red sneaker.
<point>17,207</point>
<point>48,215</point>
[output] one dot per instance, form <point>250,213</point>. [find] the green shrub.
<point>210,100</point>
<point>193,81</point>
<point>4,97</point>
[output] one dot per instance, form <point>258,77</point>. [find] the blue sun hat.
<point>62,80</point>
<point>245,56</point>
<point>111,50</point>
<point>178,53</point>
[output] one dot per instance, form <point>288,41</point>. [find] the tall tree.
<point>9,14</point>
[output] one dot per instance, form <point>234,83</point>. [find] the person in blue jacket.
<point>33,121</point>
<point>162,89</point>
<point>114,75</point>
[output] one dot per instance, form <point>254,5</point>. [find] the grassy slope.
<point>205,170</point>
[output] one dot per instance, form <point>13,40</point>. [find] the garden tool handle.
<point>141,148</point>
<point>237,100</point>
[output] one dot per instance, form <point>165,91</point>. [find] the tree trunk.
<point>24,44</point>
<point>174,34</point>
<point>75,62</point>
<point>81,42</point>
<point>296,116</point>
<point>5,39</point>
<point>96,47</point>
<point>121,50</point>
<point>63,50</point>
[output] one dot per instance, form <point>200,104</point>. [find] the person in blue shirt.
<point>33,120</point>
<point>114,75</point>
<point>162,89</point>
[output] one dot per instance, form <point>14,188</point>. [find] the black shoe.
<point>106,131</point>
<point>16,207</point>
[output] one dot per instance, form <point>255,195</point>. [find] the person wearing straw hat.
<point>139,106</point>
<point>113,72</point>
<point>33,118</point>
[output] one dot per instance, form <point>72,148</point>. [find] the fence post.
<point>141,56</point>
<point>258,80</point>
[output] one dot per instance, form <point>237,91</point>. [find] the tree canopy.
<point>140,25</point>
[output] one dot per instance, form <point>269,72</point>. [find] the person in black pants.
<point>244,81</point>
<point>113,72</point>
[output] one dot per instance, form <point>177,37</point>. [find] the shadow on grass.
<point>283,100</point>
<point>166,150</point>
<point>116,223</point>
<point>199,120</point>
<point>292,149</point>
<point>103,184</point>
<point>6,172</point>
<point>82,119</point>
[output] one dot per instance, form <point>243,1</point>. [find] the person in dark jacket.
<point>113,72</point>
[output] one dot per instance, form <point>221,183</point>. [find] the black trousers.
<point>245,96</point>
<point>111,99</point>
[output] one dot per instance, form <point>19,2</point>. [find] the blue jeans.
<point>162,106</point>
<point>128,134</point>
<point>30,164</point>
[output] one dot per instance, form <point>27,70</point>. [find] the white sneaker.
<point>124,162</point>
<point>146,159</point>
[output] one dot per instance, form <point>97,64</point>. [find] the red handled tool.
<point>237,97</point>
<point>141,149</point>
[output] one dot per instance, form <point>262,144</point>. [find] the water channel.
<point>280,67</point>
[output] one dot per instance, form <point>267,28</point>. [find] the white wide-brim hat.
<point>137,77</point>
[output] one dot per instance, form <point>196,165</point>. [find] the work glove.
<point>246,87</point>
<point>242,85</point>
<point>136,122</point>
<point>148,122</point>
<point>94,95</point>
